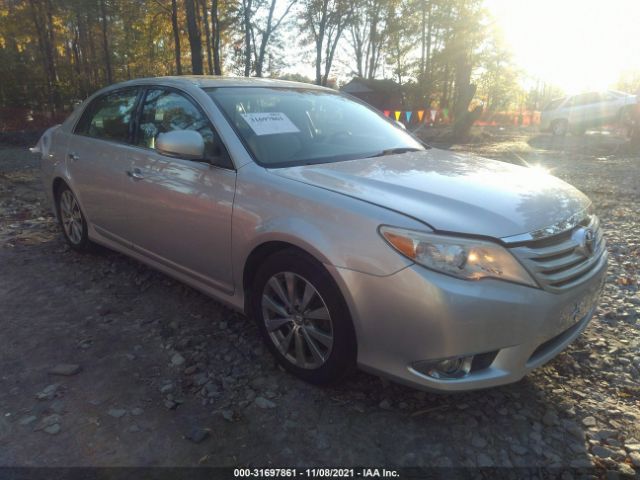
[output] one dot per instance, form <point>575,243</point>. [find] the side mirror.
<point>187,144</point>
<point>400,124</point>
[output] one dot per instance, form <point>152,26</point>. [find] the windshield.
<point>291,126</point>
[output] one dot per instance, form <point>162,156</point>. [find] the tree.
<point>43,24</point>
<point>368,33</point>
<point>327,20</point>
<point>426,29</point>
<point>195,38</point>
<point>176,35</point>
<point>53,52</point>
<point>207,35</point>
<point>466,35</point>
<point>400,40</point>
<point>216,24</point>
<point>259,26</point>
<point>266,31</point>
<point>498,77</point>
<point>247,15</point>
<point>105,42</point>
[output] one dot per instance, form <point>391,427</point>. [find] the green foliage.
<point>55,52</point>
<point>629,82</point>
<point>497,77</point>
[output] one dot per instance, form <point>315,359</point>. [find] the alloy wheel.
<point>71,216</point>
<point>297,320</point>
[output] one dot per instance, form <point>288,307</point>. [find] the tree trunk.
<point>176,35</point>
<point>81,91</point>
<point>51,46</point>
<point>45,36</point>
<point>215,21</point>
<point>320,40</point>
<point>247,36</point>
<point>331,50</point>
<point>195,39</point>
<point>444,101</point>
<point>265,40</point>
<point>428,56</point>
<point>105,43</point>
<point>423,39</point>
<point>207,36</point>
<point>465,90</point>
<point>92,57</point>
<point>358,49</point>
<point>373,39</point>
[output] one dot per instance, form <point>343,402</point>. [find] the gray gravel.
<point>135,331</point>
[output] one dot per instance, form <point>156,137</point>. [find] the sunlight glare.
<point>539,171</point>
<point>577,45</point>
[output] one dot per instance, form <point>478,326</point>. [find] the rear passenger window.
<point>166,110</point>
<point>108,117</point>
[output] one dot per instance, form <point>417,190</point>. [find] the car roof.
<point>210,81</point>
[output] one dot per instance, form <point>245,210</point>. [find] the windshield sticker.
<point>269,123</point>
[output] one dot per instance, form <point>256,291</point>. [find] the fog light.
<point>447,368</point>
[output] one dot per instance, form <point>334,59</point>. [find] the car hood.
<point>450,191</point>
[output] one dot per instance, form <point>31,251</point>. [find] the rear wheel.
<point>303,317</point>
<point>72,220</point>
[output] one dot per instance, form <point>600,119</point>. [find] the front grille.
<point>561,261</point>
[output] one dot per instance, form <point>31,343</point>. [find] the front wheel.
<point>303,317</point>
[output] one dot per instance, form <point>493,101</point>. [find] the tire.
<point>72,220</point>
<point>559,127</point>
<point>626,120</point>
<point>316,342</point>
<point>625,115</point>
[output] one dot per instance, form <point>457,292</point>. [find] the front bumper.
<point>416,315</point>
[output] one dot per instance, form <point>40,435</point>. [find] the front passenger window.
<point>166,110</point>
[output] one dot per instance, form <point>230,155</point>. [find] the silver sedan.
<point>349,241</point>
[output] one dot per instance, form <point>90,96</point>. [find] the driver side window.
<point>166,110</point>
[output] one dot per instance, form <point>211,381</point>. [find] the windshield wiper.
<point>395,151</point>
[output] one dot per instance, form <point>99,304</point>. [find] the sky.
<point>575,44</point>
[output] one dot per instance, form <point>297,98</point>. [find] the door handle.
<point>135,173</point>
<point>73,156</point>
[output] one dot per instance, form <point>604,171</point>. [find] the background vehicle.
<point>576,113</point>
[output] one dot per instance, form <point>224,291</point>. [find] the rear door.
<point>180,210</point>
<point>97,163</point>
<point>585,109</point>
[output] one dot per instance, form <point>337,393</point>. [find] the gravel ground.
<point>106,362</point>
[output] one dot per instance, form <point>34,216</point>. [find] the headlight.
<point>465,258</point>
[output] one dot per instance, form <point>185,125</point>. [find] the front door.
<point>180,210</point>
